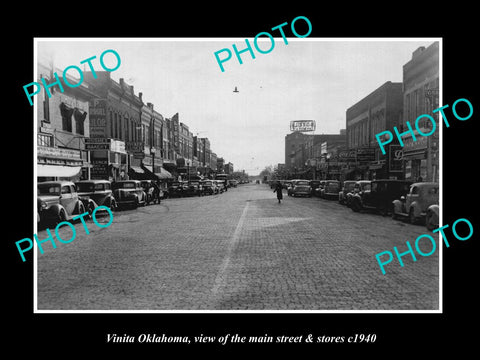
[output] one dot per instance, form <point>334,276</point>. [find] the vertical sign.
<point>98,118</point>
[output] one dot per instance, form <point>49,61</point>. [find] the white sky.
<point>308,79</point>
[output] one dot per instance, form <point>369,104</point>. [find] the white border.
<point>35,251</point>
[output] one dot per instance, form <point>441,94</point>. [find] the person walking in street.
<point>279,191</point>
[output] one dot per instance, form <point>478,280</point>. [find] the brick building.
<point>379,111</point>
<point>420,96</point>
<point>63,124</point>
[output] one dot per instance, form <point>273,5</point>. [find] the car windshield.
<point>303,183</point>
<point>208,183</point>
<point>125,185</point>
<point>85,187</point>
<point>48,189</point>
<point>365,186</point>
<point>349,186</point>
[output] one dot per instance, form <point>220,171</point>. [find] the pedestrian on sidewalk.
<point>278,190</point>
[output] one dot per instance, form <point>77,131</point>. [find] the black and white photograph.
<point>252,184</point>
<point>222,179</point>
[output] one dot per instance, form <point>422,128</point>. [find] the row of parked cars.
<point>59,201</point>
<point>402,199</point>
<point>198,187</point>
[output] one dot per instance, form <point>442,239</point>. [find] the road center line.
<point>231,245</point>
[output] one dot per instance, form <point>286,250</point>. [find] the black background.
<point>402,334</point>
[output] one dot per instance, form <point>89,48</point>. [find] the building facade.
<point>63,124</point>
<point>421,96</point>
<point>379,111</point>
<point>118,121</point>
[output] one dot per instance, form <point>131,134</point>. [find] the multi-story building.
<point>63,124</point>
<point>379,111</point>
<point>220,165</point>
<point>294,144</point>
<point>228,168</point>
<point>302,152</point>
<point>118,121</point>
<point>213,163</point>
<point>420,96</point>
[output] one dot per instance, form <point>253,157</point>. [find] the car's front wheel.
<point>62,216</point>
<point>430,221</point>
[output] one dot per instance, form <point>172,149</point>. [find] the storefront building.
<point>421,96</point>
<point>63,124</point>
<point>379,111</point>
<point>117,116</point>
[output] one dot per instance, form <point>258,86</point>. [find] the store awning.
<point>137,169</point>
<point>164,174</point>
<point>57,170</point>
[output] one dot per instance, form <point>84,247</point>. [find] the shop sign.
<point>365,154</point>
<point>117,146</point>
<point>410,145</point>
<point>302,125</point>
<point>134,146</point>
<point>98,118</point>
<point>58,152</point>
<point>46,127</point>
<point>99,169</point>
<point>97,144</point>
<point>395,158</point>
<point>347,155</point>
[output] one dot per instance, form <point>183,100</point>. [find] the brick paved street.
<point>238,250</point>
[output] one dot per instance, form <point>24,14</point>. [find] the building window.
<point>120,127</point>
<point>111,124</point>
<point>44,140</point>
<point>66,113</point>
<point>80,121</point>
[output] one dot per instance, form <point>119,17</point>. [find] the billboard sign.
<point>302,125</point>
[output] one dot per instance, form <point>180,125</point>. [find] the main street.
<point>239,250</point>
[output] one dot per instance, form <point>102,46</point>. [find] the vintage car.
<point>415,204</point>
<point>380,196</point>
<point>129,192</point>
<point>314,184</point>
<point>286,184</point>
<point>95,193</point>
<point>348,187</point>
<point>232,183</point>
<point>194,188</point>
<point>300,187</point>
<point>432,216</point>
<point>153,191</point>
<point>175,189</point>
<point>220,185</point>
<point>360,186</point>
<point>318,191</point>
<point>57,201</point>
<point>209,187</point>
<point>330,189</point>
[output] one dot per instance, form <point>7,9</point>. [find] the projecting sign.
<point>302,125</point>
